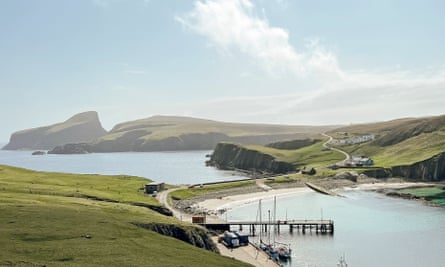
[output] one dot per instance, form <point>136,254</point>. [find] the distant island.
<point>83,127</point>
<point>83,133</point>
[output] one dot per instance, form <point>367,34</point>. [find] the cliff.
<point>81,128</point>
<point>234,156</point>
<point>196,236</point>
<point>432,169</point>
<point>429,170</point>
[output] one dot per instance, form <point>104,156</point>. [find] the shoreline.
<point>214,206</point>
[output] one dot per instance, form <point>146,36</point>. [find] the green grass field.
<point>433,194</point>
<point>199,191</point>
<point>309,156</point>
<point>45,220</point>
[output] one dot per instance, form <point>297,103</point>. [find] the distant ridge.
<point>82,127</point>
<point>170,133</point>
<point>83,133</point>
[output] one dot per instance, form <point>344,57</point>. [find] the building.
<point>150,188</point>
<point>361,161</point>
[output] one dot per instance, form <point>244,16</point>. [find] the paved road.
<point>163,198</point>
<point>326,145</point>
<point>185,217</point>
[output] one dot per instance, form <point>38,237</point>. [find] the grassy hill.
<point>416,145</point>
<point>57,219</point>
<point>183,133</point>
<point>399,142</point>
<point>266,159</point>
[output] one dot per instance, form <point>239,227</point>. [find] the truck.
<point>243,238</point>
<point>230,240</point>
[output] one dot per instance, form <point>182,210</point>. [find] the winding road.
<point>325,144</point>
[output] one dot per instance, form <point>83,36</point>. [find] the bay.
<point>184,167</point>
<point>370,229</point>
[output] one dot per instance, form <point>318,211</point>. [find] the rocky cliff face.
<point>81,128</point>
<point>195,236</point>
<point>432,169</point>
<point>429,170</point>
<point>233,156</point>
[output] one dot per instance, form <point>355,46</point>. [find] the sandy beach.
<point>215,204</point>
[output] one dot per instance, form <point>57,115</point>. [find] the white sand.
<point>242,199</point>
<point>238,200</point>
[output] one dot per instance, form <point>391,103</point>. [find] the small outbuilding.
<point>150,188</point>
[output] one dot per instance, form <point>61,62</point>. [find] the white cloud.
<point>233,26</point>
<point>336,96</point>
<point>363,98</point>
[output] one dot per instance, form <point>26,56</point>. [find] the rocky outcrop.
<point>234,156</point>
<point>81,148</point>
<point>193,235</point>
<point>378,172</point>
<point>81,128</point>
<point>432,169</point>
<point>429,170</point>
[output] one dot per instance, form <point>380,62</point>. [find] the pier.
<point>317,226</point>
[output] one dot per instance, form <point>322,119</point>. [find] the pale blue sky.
<point>271,61</point>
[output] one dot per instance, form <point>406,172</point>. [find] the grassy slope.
<point>310,156</point>
<point>198,191</point>
<point>42,221</point>
<point>400,142</point>
<point>433,194</point>
<point>159,127</point>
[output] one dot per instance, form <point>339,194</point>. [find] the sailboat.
<point>284,251</point>
<point>275,250</point>
<point>342,262</point>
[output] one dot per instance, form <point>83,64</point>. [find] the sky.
<point>259,61</point>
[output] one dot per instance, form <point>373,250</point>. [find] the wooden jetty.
<point>318,226</point>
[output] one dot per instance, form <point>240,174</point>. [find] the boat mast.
<point>274,217</point>
<point>261,226</point>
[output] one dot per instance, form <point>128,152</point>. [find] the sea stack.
<point>81,128</point>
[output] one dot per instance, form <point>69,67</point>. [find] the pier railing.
<point>318,226</point>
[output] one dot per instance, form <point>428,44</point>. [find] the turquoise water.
<point>370,229</point>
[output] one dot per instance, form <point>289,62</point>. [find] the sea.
<point>371,229</point>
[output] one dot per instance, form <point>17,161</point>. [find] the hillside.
<point>81,128</point>
<point>163,133</point>
<point>412,148</point>
<point>58,219</point>
<point>265,159</point>
<point>399,142</point>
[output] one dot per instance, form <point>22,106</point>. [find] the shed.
<point>150,188</point>
<point>199,219</point>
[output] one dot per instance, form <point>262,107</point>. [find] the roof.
<point>155,183</point>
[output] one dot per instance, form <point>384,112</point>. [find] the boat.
<point>342,262</point>
<point>284,251</point>
<point>276,250</point>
